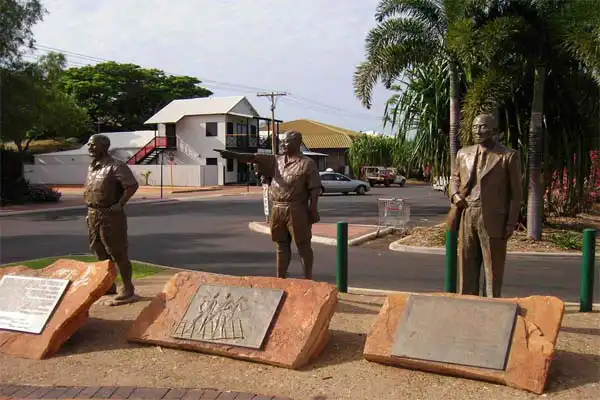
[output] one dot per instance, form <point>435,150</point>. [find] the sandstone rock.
<point>533,343</point>
<point>88,282</point>
<point>299,330</point>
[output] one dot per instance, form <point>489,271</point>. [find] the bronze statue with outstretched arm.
<point>295,189</point>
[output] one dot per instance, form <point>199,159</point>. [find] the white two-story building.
<point>188,130</point>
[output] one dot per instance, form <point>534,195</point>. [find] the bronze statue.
<point>486,189</point>
<point>109,185</point>
<point>294,191</point>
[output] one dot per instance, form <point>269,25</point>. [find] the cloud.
<point>308,48</point>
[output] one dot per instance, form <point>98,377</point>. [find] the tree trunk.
<point>454,114</point>
<point>535,201</point>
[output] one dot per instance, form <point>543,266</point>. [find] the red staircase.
<point>147,153</point>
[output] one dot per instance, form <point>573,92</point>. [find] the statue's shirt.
<point>106,181</point>
<point>293,178</point>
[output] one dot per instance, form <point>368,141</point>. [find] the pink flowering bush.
<point>562,197</point>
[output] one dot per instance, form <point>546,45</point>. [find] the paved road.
<point>213,235</point>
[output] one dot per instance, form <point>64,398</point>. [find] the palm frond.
<point>430,12</point>
<point>391,48</point>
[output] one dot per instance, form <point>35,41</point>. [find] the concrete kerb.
<point>351,290</point>
<point>260,228</point>
<point>148,201</point>
<point>79,207</point>
<point>384,292</point>
<point>396,246</point>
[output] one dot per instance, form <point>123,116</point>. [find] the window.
<point>212,129</point>
<point>230,128</point>
<point>229,165</point>
<point>211,161</point>
<point>253,130</point>
<point>328,177</point>
<point>342,178</point>
<point>241,129</point>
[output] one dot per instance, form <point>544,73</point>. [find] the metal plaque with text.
<point>26,302</point>
<point>237,316</point>
<point>476,333</point>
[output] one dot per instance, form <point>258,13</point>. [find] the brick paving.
<point>8,391</point>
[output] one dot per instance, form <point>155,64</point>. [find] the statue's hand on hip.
<point>460,202</point>
<point>314,216</point>
<point>116,207</point>
<point>509,231</point>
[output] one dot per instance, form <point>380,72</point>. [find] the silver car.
<point>332,182</point>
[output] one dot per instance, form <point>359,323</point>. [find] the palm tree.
<point>533,40</point>
<point>411,34</point>
<point>419,112</point>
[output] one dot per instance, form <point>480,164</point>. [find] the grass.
<point>140,270</point>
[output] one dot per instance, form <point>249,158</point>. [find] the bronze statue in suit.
<point>486,189</point>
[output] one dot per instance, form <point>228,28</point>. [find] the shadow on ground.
<point>571,370</point>
<point>98,335</point>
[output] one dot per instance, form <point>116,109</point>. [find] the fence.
<point>74,174</point>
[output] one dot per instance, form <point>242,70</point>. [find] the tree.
<point>387,151</point>
<point>538,46</point>
<point>123,96</point>
<point>411,34</point>
<point>16,20</point>
<point>34,105</point>
<point>420,111</point>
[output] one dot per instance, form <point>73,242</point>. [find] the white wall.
<point>183,175</point>
<point>194,147</point>
<point>61,159</point>
<point>122,154</point>
<point>56,174</point>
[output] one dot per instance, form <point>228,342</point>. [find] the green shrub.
<point>13,184</point>
<point>15,189</point>
<point>38,193</point>
<point>568,240</point>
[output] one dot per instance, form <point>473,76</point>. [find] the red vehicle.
<point>381,176</point>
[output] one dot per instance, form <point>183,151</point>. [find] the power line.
<point>293,98</point>
<point>273,97</point>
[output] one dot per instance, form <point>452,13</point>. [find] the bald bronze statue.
<point>295,185</point>
<point>109,185</point>
<point>486,188</point>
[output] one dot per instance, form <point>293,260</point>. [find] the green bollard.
<point>587,270</point>
<point>342,257</point>
<point>451,255</point>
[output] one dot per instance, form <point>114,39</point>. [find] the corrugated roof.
<point>317,135</point>
<point>177,109</point>
<point>118,140</point>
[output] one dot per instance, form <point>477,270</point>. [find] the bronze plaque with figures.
<point>238,316</point>
<point>468,332</point>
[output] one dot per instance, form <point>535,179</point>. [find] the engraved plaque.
<point>230,315</point>
<point>468,332</point>
<point>26,302</point>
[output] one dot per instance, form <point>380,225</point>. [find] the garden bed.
<point>558,235</point>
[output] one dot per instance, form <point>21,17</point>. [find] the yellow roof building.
<point>317,135</point>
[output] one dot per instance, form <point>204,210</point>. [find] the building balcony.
<point>241,142</point>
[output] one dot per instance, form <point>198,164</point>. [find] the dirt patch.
<point>383,242</point>
<point>99,355</point>
<point>558,235</point>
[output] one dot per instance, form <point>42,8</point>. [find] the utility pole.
<point>272,96</point>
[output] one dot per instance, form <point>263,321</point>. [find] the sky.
<point>308,48</point>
